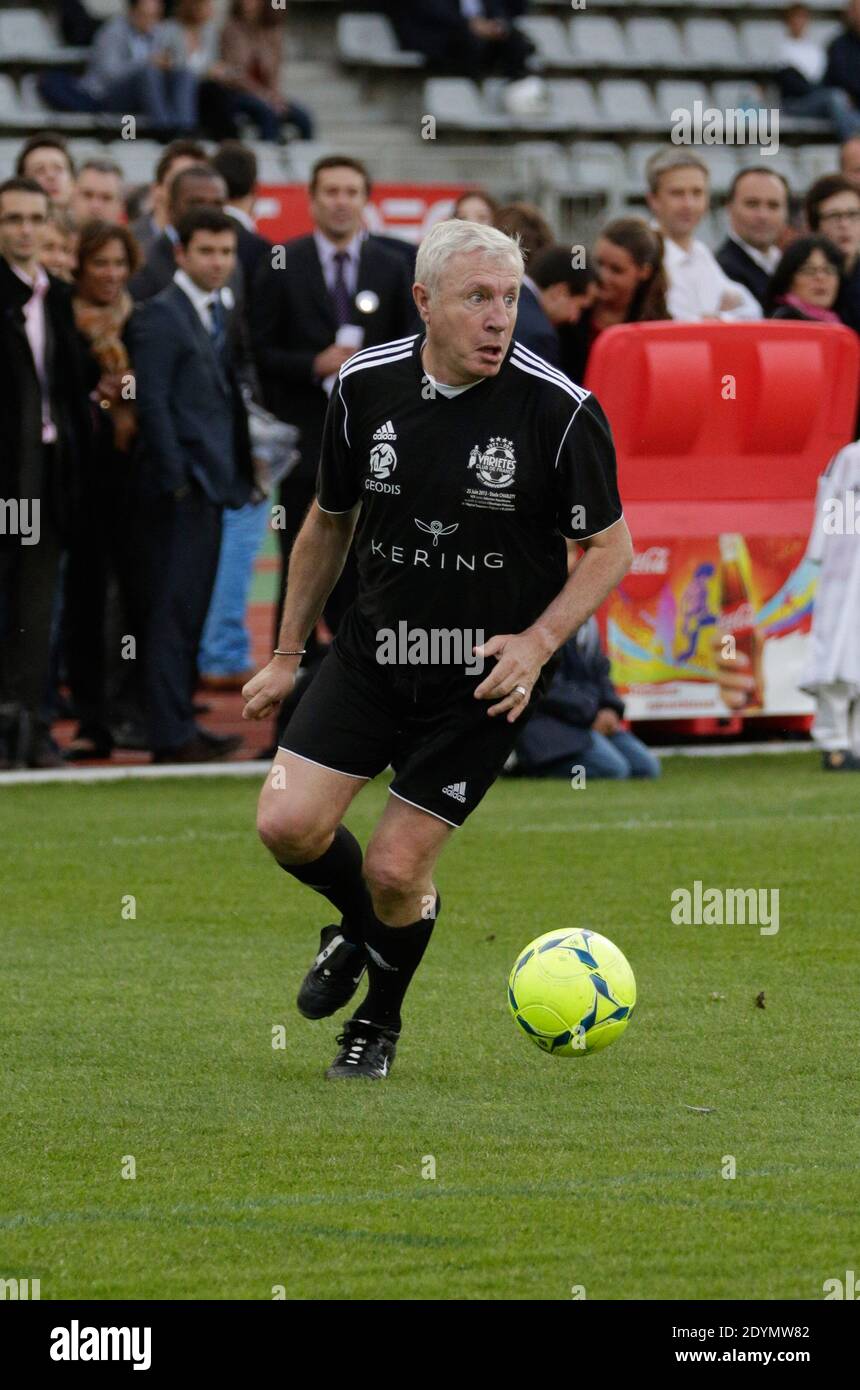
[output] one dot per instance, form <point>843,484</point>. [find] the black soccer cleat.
<point>366,1049</point>
<point>334,976</point>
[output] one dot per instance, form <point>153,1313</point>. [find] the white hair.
<point>455,236</point>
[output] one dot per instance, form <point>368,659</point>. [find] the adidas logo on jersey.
<point>385,431</point>
<point>457,790</point>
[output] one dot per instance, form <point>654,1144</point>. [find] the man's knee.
<point>289,832</point>
<point>391,871</point>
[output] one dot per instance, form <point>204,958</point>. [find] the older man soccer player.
<point>461,461</point>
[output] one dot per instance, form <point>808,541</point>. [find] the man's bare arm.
<point>607,559</point>
<point>521,655</point>
<point>317,558</point>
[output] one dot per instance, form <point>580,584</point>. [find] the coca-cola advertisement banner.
<point>713,626</point>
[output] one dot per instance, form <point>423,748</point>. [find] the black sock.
<point>400,950</point>
<point>337,875</point>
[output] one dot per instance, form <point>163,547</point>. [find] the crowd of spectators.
<point>184,72</point>
<point>160,356</point>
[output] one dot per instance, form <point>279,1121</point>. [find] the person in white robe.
<point>832,673</point>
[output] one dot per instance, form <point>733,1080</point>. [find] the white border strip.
<point>257,768</point>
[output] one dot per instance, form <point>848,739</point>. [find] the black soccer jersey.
<point>465,499</point>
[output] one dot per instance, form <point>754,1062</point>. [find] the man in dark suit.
<point>44,442</point>
<point>196,461</point>
<point>339,281</point>
<point>237,165</point>
<point>758,216</point>
<point>464,37</point>
<point>179,154</point>
<point>554,293</point>
<point>197,186</point>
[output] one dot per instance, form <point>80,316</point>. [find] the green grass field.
<point>152,1038</point>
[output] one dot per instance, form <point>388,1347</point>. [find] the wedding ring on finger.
<point>521,691</point>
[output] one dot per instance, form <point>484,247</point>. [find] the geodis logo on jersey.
<point>383,461</point>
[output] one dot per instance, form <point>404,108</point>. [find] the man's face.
<point>338,203</point>
<point>561,306</point>
<point>839,219</point>
<point>681,201</point>
<point>146,14</point>
<point>58,252</point>
<point>851,160</point>
<point>97,195</point>
<point>209,258</point>
<point>208,192</point>
<point>854,15</point>
<point>471,315</point>
<point>50,168</point>
<point>759,210</point>
<point>161,191</point>
<point>796,22</point>
<point>23,218</point>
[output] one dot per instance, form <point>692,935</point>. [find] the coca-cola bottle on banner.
<point>737,620</point>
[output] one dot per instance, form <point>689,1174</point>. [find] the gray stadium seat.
<point>457,103</point>
<point>722,162</point>
<point>813,161</point>
<point>573,103</point>
<point>9,103</point>
<point>370,41</point>
<point>760,40</point>
<point>546,161</point>
<point>737,92</point>
<point>597,39</point>
<point>679,95</point>
<point>784,162</point>
<point>625,102</point>
<point>596,165</point>
<point>25,34</point>
<point>638,155</point>
<point>549,37</point>
<point>657,43</point>
<point>712,43</point>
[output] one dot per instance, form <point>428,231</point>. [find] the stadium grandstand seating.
<point>615,72</point>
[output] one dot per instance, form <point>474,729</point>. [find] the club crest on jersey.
<point>496,465</point>
<point>383,460</point>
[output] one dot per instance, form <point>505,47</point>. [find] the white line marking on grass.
<point>26,777</point>
<point>254,768</point>
<point>731,750</point>
<point>579,1188</point>
<point>688,823</point>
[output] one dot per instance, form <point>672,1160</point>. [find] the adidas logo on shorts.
<point>457,790</point>
<point>385,431</point>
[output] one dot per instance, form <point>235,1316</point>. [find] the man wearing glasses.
<point>44,424</point>
<point>833,209</point>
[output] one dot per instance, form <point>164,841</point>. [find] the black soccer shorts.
<point>359,717</point>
